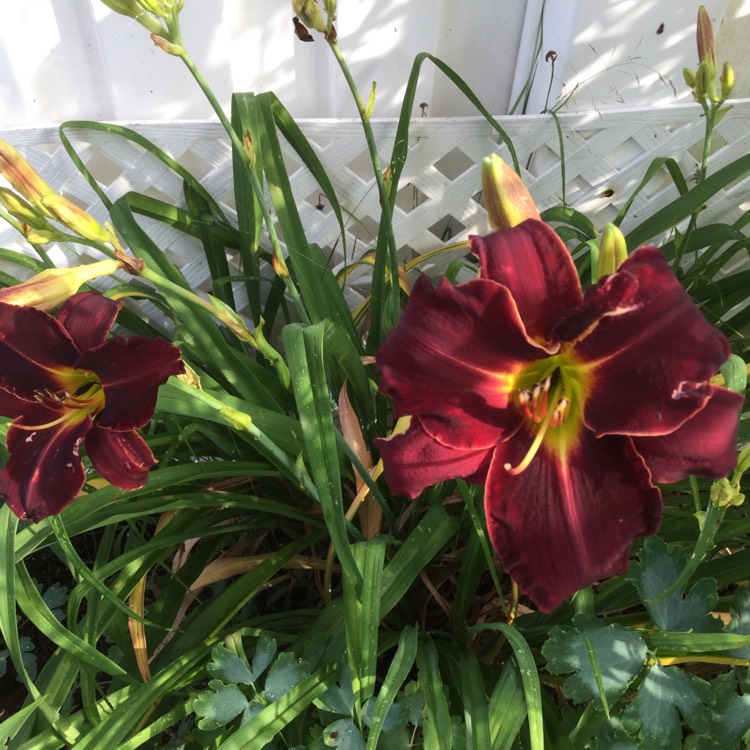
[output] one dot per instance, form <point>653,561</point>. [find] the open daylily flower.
<point>64,382</point>
<point>566,407</point>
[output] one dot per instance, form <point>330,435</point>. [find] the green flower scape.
<point>494,507</point>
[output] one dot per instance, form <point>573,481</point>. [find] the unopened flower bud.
<point>76,219</point>
<point>727,80</point>
<point>705,82</point>
<point>50,288</point>
<point>506,199</point>
<point>22,176</point>
<point>613,250</point>
<point>309,13</point>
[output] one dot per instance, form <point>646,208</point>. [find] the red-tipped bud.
<point>705,39</point>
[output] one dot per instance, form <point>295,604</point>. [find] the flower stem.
<point>254,181</point>
<point>710,111</point>
<point>383,261</point>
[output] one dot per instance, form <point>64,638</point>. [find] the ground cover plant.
<point>502,513</point>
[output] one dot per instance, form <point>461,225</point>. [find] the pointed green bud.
<point>727,80</point>
<point>506,199</point>
<point>705,82</point>
<point>689,77</point>
<point>613,250</point>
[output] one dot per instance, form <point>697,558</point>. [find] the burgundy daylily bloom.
<point>566,407</point>
<point>64,382</point>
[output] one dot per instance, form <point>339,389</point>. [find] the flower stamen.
<point>526,460</point>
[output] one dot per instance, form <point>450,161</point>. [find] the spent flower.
<point>50,288</point>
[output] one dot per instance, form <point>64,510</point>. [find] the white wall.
<point>69,59</point>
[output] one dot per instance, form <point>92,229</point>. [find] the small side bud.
<point>50,288</point>
<point>613,250</point>
<point>705,82</point>
<point>689,77</point>
<point>727,80</point>
<point>169,47</point>
<point>506,199</point>
<point>722,492</point>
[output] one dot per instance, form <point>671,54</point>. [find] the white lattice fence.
<point>606,156</point>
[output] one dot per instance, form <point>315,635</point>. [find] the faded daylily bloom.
<point>567,407</point>
<point>50,288</point>
<point>23,177</point>
<point>64,383</point>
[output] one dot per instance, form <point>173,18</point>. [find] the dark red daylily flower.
<point>566,407</point>
<point>64,382</point>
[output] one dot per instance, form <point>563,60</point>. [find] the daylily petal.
<point>87,317</point>
<point>649,357</point>
<point>122,458</point>
<point>444,358</point>
<point>12,406</point>
<point>33,347</point>
<point>44,471</point>
<point>534,264</point>
<point>414,461</point>
<point>467,432</point>
<point>131,371</point>
<point>571,517</point>
<point>706,444</point>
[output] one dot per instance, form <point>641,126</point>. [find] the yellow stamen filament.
<point>534,446</point>
<point>88,399</point>
<point>534,406</point>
